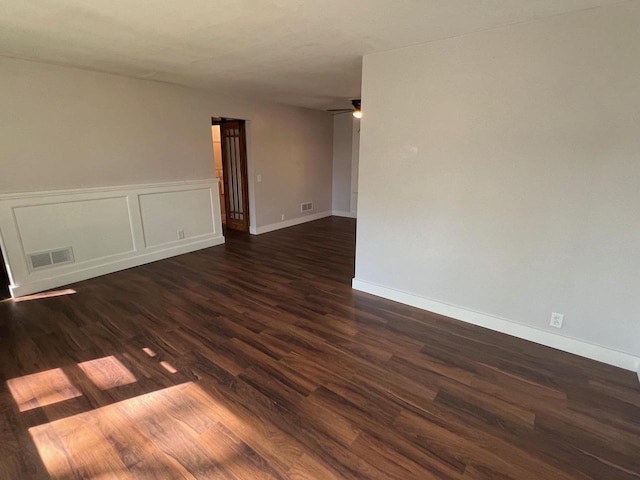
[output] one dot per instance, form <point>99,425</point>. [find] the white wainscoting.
<point>108,228</point>
<point>549,339</point>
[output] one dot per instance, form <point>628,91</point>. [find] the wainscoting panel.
<point>96,228</point>
<point>106,229</point>
<point>164,214</point>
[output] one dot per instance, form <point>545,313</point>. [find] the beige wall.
<point>346,149</point>
<point>355,164</point>
<point>65,128</point>
<point>342,151</point>
<point>500,173</point>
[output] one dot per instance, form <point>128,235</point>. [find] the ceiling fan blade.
<point>340,110</point>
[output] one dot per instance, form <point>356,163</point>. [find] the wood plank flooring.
<point>256,360</point>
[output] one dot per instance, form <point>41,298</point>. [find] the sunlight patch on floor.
<point>176,432</point>
<point>149,352</point>
<point>38,296</point>
<point>168,367</point>
<point>42,389</point>
<point>107,372</point>
<point>161,431</point>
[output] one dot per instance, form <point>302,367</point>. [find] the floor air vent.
<point>305,207</point>
<point>51,258</point>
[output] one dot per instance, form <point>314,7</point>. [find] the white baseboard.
<point>288,223</point>
<point>338,213</point>
<point>553,340</point>
<point>111,267</point>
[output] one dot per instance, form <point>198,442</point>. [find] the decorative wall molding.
<point>115,188</point>
<point>559,342</point>
<point>288,223</point>
<point>109,228</point>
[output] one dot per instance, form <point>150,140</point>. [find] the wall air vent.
<point>50,258</point>
<point>40,260</point>
<point>306,207</point>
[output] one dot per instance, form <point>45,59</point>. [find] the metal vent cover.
<point>305,207</point>
<point>62,256</point>
<point>51,258</point>
<point>40,260</point>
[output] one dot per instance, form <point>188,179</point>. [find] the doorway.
<point>4,279</point>
<point>230,156</point>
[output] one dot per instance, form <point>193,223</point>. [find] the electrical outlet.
<point>259,177</point>
<point>180,234</point>
<point>283,217</point>
<point>556,320</point>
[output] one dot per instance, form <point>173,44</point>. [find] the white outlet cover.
<point>556,319</point>
<point>259,177</point>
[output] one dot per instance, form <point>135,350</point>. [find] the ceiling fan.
<point>355,111</point>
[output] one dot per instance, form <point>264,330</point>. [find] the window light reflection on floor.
<point>176,417</point>
<point>168,367</point>
<point>53,386</point>
<point>107,372</point>
<point>42,389</point>
<point>37,296</point>
<point>149,352</point>
<point>85,442</point>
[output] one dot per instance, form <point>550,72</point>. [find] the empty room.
<point>293,239</point>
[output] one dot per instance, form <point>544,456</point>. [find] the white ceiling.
<point>298,52</point>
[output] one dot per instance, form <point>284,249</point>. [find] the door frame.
<point>6,280</point>
<point>244,225</point>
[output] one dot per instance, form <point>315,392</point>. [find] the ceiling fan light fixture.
<point>357,111</point>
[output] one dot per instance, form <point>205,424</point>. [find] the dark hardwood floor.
<point>256,360</point>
